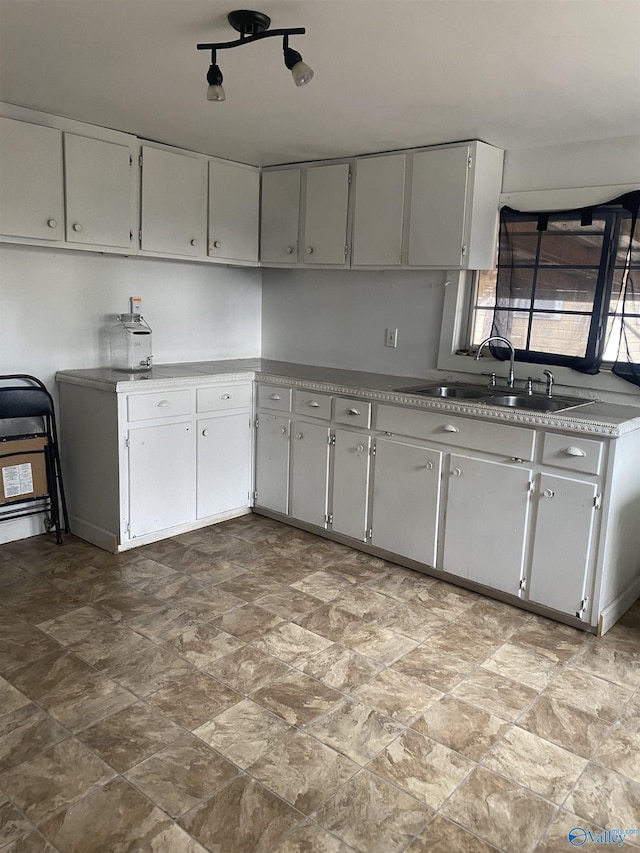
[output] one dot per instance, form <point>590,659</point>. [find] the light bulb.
<point>301,73</point>
<point>216,93</point>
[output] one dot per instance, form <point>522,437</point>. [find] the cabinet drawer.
<point>353,412</point>
<point>274,397</point>
<point>501,439</point>
<point>573,452</point>
<point>311,404</point>
<point>164,404</point>
<point>223,397</point>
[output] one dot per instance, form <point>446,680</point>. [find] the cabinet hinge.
<point>346,251</point>
<point>464,250</point>
<point>130,236</point>
<point>256,423</point>
<point>140,160</point>
<point>373,449</point>
<point>140,235</point>
<point>128,529</point>
<point>255,495</point>
<point>328,519</point>
<point>126,442</point>
<point>583,608</point>
<point>332,440</point>
<point>530,486</point>
<point>523,584</point>
<point>469,162</point>
<point>370,534</point>
<point>597,501</point>
<point>130,160</point>
<point>349,179</point>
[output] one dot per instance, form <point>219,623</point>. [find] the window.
<point>558,293</point>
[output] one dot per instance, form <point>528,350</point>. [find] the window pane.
<point>514,325</point>
<point>524,248</point>
<point>571,249</point>
<point>631,339</point>
<point>566,334</point>
<point>516,293</point>
<point>483,320</point>
<point>623,245</point>
<point>486,282</point>
<point>633,296</point>
<point>571,290</point>
<point>572,223</point>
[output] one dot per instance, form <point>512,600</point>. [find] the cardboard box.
<point>23,473</point>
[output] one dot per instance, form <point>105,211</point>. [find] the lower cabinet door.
<point>486,522</point>
<point>351,484</point>
<point>406,500</point>
<point>223,471</point>
<point>309,472</point>
<point>161,477</point>
<point>272,463</point>
<point>562,544</point>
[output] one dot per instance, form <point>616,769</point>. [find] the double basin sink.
<point>509,397</point>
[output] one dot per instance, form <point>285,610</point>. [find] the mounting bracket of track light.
<point>254,26</point>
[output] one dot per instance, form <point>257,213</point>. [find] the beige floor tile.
<point>53,779</point>
<point>242,818</point>
<point>399,696</point>
<point>546,768</point>
<point>10,698</point>
<point>413,620</point>
<point>248,622</point>
<point>13,824</point>
<point>623,639</point>
<point>151,670</point>
<point>247,670</point>
<point>323,585</point>
<point>434,667</point>
<point>372,816</point>
<point>194,700</point>
<point>303,772</point>
<point>291,644</point>
<point>309,838</point>
<point>608,663</point>
<point>297,698</point>
<point>630,716</point>
<point>165,624</point>
<point>109,645</point>
<point>76,625</point>
<point>497,620</point>
<point>250,586</point>
<point>421,767</point>
<point>459,640</point>
<point>556,838</point>
<point>341,668</point>
<point>129,736</point>
<point>32,842</point>
<point>557,642</point>
<point>21,643</point>
<point>289,603</point>
<point>181,775</point>
<point>203,644</point>
<point>572,728</point>
<point>495,694</point>
<point>356,730</point>
<point>588,693</point>
<point>329,621</point>
<point>127,604</point>
<point>605,797</point>
<point>500,812</point>
<point>363,602</point>
<point>379,644</point>
<point>621,752</point>
<point>24,733</point>
<point>244,732</point>
<point>442,836</point>
<point>522,665</point>
<point>465,728</point>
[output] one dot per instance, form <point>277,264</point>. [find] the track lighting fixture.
<point>253,26</point>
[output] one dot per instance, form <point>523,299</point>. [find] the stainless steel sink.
<point>467,392</point>
<point>537,403</point>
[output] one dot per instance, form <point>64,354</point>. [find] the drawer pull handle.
<point>450,428</point>
<point>549,493</point>
<point>274,396</point>
<point>313,404</point>
<point>226,397</point>
<point>353,412</point>
<point>360,448</point>
<point>457,472</point>
<point>299,435</point>
<point>162,404</point>
<point>573,451</point>
<point>429,466</point>
<point>205,432</point>
<point>516,459</point>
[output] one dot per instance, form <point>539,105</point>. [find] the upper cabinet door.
<point>438,207</point>
<point>98,197</point>
<point>30,181</point>
<point>174,204</point>
<point>325,224</point>
<point>379,206</point>
<point>234,193</point>
<point>280,216</point>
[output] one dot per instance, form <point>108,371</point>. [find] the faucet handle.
<point>529,385</point>
<point>492,383</point>
<point>550,381</point>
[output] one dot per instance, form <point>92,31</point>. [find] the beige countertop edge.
<point>599,418</point>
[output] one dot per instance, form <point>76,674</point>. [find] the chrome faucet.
<point>511,380</point>
<point>549,376</point>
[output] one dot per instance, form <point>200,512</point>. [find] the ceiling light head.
<point>215,92</point>
<point>300,71</point>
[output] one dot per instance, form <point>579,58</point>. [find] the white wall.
<point>337,318</point>
<point>56,307</point>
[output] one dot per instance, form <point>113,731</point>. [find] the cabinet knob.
<point>205,432</point>
<point>194,242</point>
<point>450,428</point>
<point>457,472</point>
<point>549,493</point>
<point>289,250</point>
<point>429,466</point>
<point>283,430</point>
<point>52,223</point>
<point>77,227</point>
<point>217,244</point>
<point>226,397</point>
<point>299,435</point>
<point>573,451</point>
<point>353,412</point>
<point>309,250</point>
<point>360,448</point>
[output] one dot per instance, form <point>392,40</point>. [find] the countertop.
<point>600,418</point>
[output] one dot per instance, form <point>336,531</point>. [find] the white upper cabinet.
<point>326,214</point>
<point>378,212</point>
<point>455,193</point>
<point>30,181</point>
<point>98,178</point>
<point>280,215</point>
<point>234,193</point>
<point>174,204</point>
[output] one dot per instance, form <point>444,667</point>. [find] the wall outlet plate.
<point>391,338</point>
<point>135,304</point>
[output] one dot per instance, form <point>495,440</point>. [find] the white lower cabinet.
<point>406,500</point>
<point>161,477</point>
<point>272,462</point>
<point>223,470</point>
<point>351,469</point>
<point>563,544</point>
<point>487,512</point>
<point>309,471</point>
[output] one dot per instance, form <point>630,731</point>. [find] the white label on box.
<point>17,480</point>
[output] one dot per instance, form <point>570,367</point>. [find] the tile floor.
<point>251,688</point>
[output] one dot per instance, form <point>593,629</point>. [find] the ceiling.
<point>390,74</point>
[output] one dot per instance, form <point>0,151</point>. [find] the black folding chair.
<point>32,401</point>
